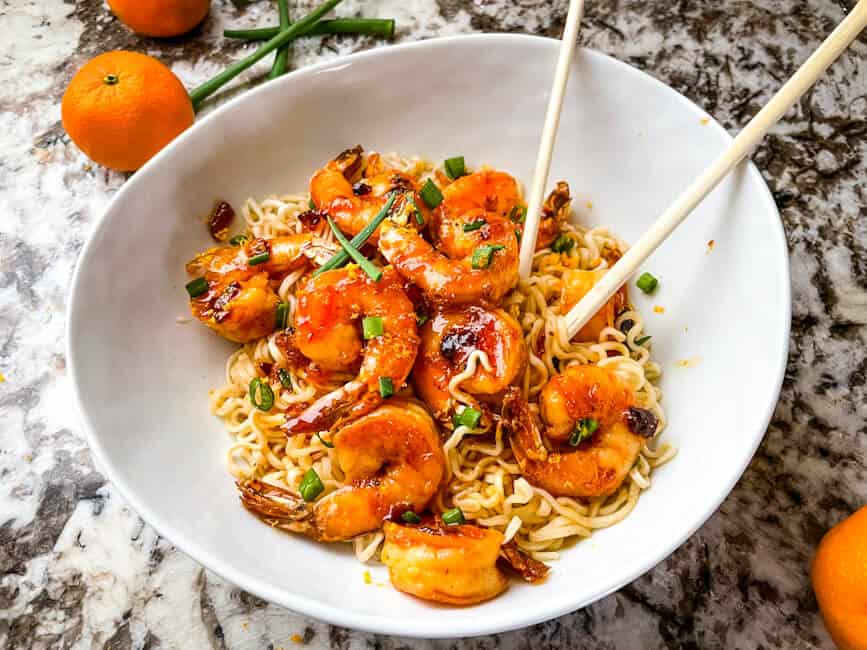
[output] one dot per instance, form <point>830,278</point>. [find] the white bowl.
<point>627,143</point>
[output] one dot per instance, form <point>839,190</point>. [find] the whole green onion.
<point>383,27</point>
<point>198,95</point>
<point>281,59</point>
<point>366,265</point>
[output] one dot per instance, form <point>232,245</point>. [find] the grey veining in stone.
<point>78,569</point>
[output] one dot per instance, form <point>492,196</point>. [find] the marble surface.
<point>80,569</point>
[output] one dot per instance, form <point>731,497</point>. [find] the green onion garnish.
<point>474,225</point>
<point>410,517</point>
<point>585,428</point>
<point>372,327</point>
<point>469,417</point>
<point>340,258</point>
<point>261,258</point>
<point>311,203</point>
<point>483,255</point>
<point>431,194</point>
<point>646,282</point>
<point>455,167</point>
<point>197,287</point>
<point>421,318</point>
<point>643,340</point>
<point>419,217</point>
<point>386,387</point>
<point>518,213</point>
<point>282,315</point>
<point>453,517</point>
<point>518,233</point>
<point>330,445</point>
<point>366,265</point>
<point>563,244</point>
<point>261,394</point>
<point>239,240</point>
<point>311,485</point>
<point>285,378</point>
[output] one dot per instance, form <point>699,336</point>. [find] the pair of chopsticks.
<point>741,146</point>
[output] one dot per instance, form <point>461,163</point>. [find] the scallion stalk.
<point>341,257</point>
<point>383,27</point>
<point>281,59</point>
<point>366,265</point>
<point>198,95</point>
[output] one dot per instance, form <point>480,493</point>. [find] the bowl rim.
<point>431,629</point>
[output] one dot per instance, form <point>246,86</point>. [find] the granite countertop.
<point>80,569</point>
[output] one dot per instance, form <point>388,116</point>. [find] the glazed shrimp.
<point>328,318</point>
<point>391,459</point>
<point>598,404</point>
<point>476,254</point>
<point>240,302</point>
<point>456,565</point>
<point>576,283</point>
<point>353,200</point>
<point>447,341</point>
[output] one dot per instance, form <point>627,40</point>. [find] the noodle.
<point>482,477</point>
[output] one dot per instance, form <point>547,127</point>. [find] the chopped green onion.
<point>455,167</point>
<point>341,257</point>
<point>386,387</point>
<point>646,282</point>
<point>372,327</point>
<point>518,233</point>
<point>197,287</point>
<point>585,428</point>
<point>261,394</point>
<point>261,258</point>
<point>282,315</point>
<point>469,417</point>
<point>453,517</point>
<point>563,244</point>
<point>474,225</point>
<point>419,217</point>
<point>431,194</point>
<point>483,255</point>
<point>311,485</point>
<point>410,517</point>
<point>642,340</point>
<point>518,213</point>
<point>421,318</point>
<point>311,203</point>
<point>330,445</point>
<point>366,265</point>
<point>285,378</point>
<point>239,240</point>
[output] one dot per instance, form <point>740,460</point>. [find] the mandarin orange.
<point>123,107</point>
<point>840,581</point>
<point>160,17</point>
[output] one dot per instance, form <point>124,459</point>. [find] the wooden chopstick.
<point>741,146</point>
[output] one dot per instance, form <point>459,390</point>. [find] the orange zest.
<point>840,581</point>
<point>121,108</point>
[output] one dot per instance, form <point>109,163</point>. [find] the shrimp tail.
<point>525,436</point>
<point>277,506</point>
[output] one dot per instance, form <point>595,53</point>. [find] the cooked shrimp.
<point>328,317</point>
<point>576,284</point>
<point>555,212</point>
<point>489,190</point>
<point>456,565</point>
<point>391,459</point>
<point>240,302</point>
<point>587,399</point>
<point>447,341</point>
<point>339,190</point>
<point>476,254</point>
